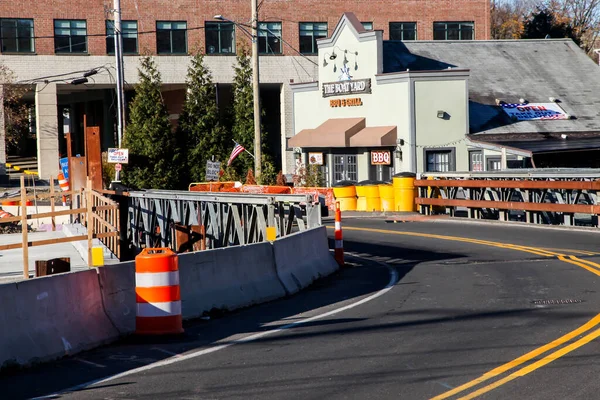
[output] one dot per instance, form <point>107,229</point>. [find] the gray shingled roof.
<point>508,70</point>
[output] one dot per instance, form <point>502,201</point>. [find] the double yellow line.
<point>588,326</point>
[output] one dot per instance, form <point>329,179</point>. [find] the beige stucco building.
<point>361,123</point>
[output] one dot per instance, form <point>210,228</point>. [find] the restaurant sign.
<point>358,86</point>
<point>533,111</point>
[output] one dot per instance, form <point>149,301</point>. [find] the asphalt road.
<point>428,309</point>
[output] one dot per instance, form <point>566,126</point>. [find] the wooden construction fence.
<point>101,211</point>
<point>540,201</point>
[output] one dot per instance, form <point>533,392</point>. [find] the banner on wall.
<point>534,111</point>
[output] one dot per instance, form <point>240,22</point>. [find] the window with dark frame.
<point>129,34</point>
<point>220,37</point>
<point>439,160</point>
<point>171,37</point>
<point>403,31</point>
<point>476,160</point>
<point>309,33</point>
<point>17,35</point>
<point>269,38</point>
<point>345,168</point>
<point>367,25</point>
<point>70,36</point>
<point>453,30</point>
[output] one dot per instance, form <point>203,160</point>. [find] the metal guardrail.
<point>228,218</point>
<point>556,197</point>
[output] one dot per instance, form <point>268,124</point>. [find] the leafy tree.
<point>268,174</point>
<point>16,119</point>
<point>200,132</point>
<point>243,114</point>
<point>546,21</point>
<point>154,158</point>
<point>507,18</point>
<point>243,110</point>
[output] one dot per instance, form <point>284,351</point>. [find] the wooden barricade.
<point>99,214</point>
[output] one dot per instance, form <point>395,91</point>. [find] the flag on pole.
<point>236,152</point>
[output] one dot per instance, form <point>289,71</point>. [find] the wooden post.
<point>90,219</point>
<point>24,228</point>
<point>52,200</point>
<point>69,158</point>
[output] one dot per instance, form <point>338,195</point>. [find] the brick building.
<point>44,38</point>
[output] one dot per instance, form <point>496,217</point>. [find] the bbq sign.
<point>359,86</point>
<point>381,157</point>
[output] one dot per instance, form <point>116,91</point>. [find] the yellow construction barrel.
<point>386,194</point>
<point>368,196</point>
<point>345,193</point>
<point>405,191</point>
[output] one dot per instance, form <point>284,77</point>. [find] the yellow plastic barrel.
<point>346,195</point>
<point>386,194</point>
<point>368,198</point>
<point>405,192</point>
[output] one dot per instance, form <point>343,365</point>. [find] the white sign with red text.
<point>381,157</point>
<point>118,156</point>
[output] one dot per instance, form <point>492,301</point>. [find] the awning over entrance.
<point>345,132</point>
<point>335,132</point>
<point>375,136</point>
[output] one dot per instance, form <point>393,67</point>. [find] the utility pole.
<point>120,77</point>
<point>255,89</point>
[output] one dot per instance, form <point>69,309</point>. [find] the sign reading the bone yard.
<point>358,86</point>
<point>532,111</point>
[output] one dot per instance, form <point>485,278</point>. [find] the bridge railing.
<point>557,197</point>
<point>225,219</point>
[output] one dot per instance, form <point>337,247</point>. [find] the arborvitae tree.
<point>154,159</point>
<point>243,110</point>
<point>200,131</point>
<point>243,116</point>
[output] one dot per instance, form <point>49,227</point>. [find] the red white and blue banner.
<point>534,111</point>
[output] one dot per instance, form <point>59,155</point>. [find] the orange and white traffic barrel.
<point>158,295</point>
<point>4,214</point>
<point>339,241</point>
<point>64,185</point>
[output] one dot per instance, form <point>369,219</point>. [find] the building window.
<point>453,30</point>
<point>309,33</point>
<point>17,35</point>
<point>441,160</point>
<point>345,168</point>
<point>129,33</point>
<point>475,160</point>
<point>269,38</point>
<point>494,163</point>
<point>367,25</point>
<point>171,37</point>
<point>70,36</point>
<point>403,31</point>
<point>220,37</point>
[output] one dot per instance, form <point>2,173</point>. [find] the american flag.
<point>236,152</point>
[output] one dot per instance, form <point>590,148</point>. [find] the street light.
<point>255,84</point>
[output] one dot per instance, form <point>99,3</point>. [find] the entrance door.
<point>344,168</point>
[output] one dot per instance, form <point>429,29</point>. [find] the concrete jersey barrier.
<point>117,283</point>
<point>47,318</point>
<point>303,257</point>
<point>228,278</point>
